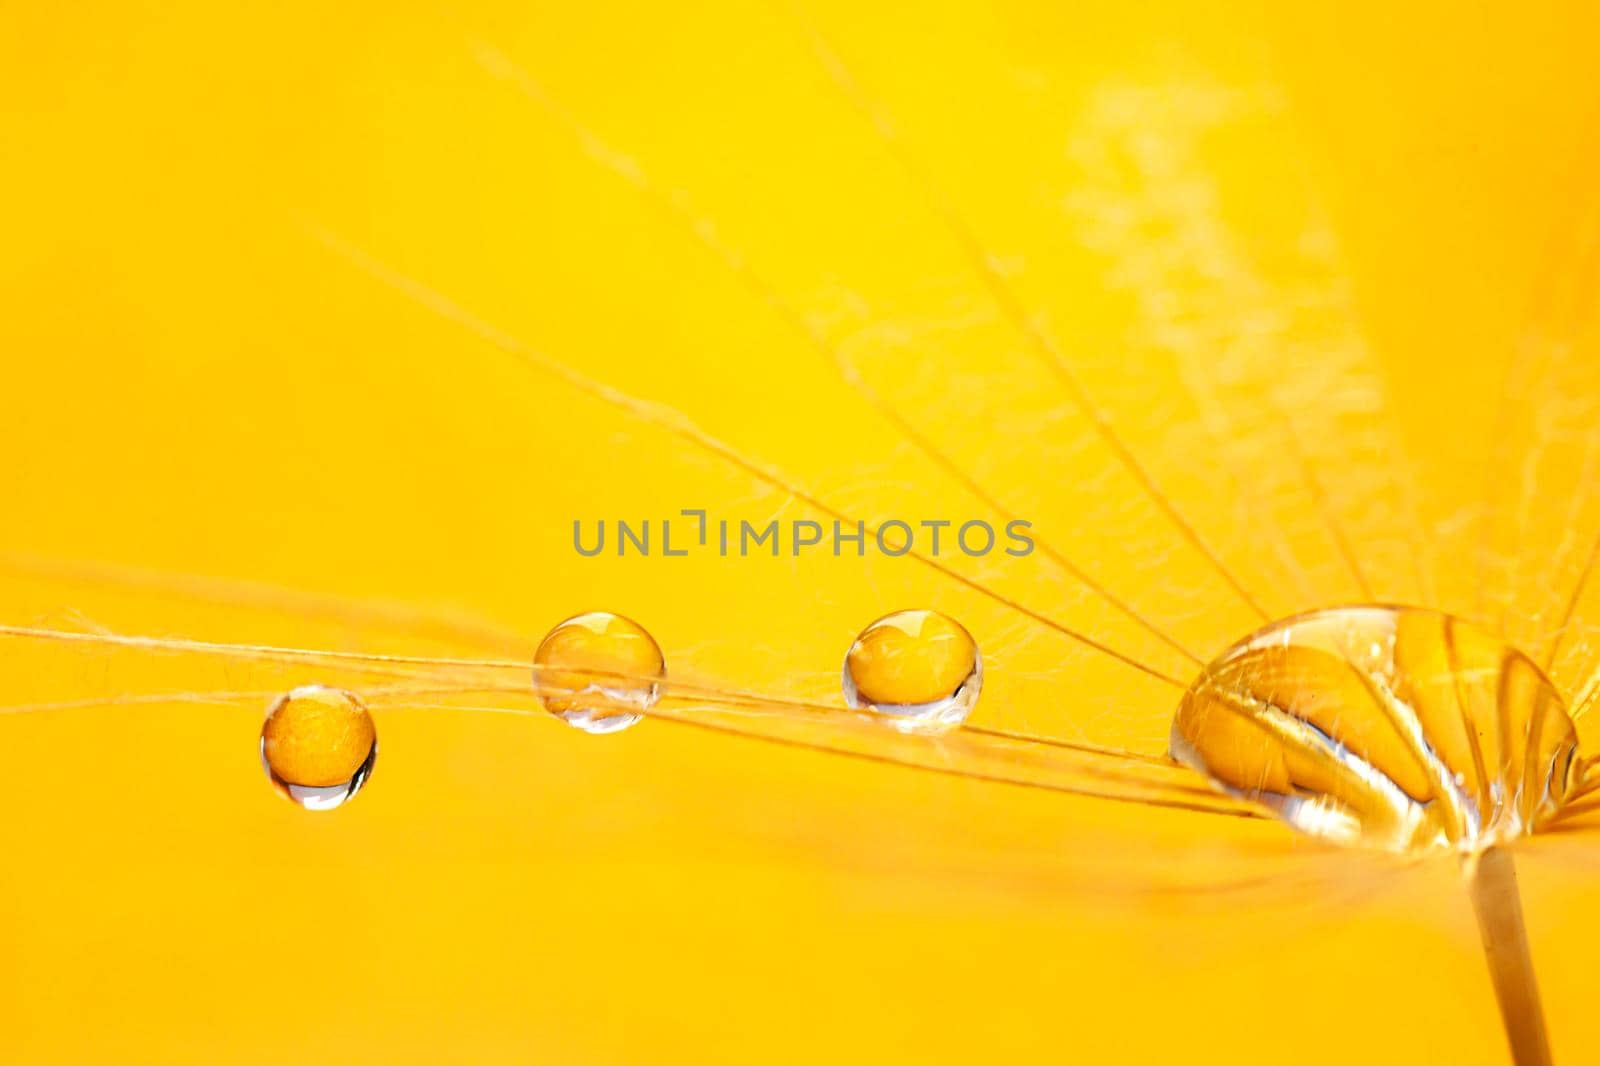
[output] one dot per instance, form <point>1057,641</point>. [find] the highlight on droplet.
<point>318,746</point>
<point>590,669</point>
<point>919,667</point>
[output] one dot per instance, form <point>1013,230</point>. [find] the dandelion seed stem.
<point>1492,885</point>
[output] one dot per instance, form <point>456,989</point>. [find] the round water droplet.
<point>595,645</point>
<point>920,667</point>
<point>1393,728</point>
<point>318,745</point>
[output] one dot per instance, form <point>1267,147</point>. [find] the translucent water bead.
<point>919,667</point>
<point>1393,728</point>
<point>318,746</point>
<point>598,643</point>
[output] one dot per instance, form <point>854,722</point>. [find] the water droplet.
<point>1394,728</point>
<point>921,667</point>
<point>318,745</point>
<point>598,643</point>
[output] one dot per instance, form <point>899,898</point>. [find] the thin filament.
<point>1005,298</point>
<point>704,232</point>
<point>1110,773</point>
<point>675,422</point>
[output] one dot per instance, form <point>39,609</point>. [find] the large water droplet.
<point>920,667</point>
<point>318,746</point>
<point>598,643</point>
<point>1394,728</point>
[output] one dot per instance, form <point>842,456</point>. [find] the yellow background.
<point>1373,227</point>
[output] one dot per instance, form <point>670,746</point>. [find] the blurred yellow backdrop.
<point>1325,272</point>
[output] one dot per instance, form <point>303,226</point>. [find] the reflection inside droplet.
<point>592,646</point>
<point>1394,728</point>
<point>318,746</point>
<point>920,667</point>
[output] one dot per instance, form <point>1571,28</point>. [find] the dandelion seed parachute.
<point>1280,251</point>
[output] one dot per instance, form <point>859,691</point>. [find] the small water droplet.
<point>920,667</point>
<point>1447,737</point>
<point>598,643</point>
<point>318,746</point>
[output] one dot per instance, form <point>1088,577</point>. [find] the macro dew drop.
<point>921,668</point>
<point>1393,728</point>
<point>592,668</point>
<point>318,746</point>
